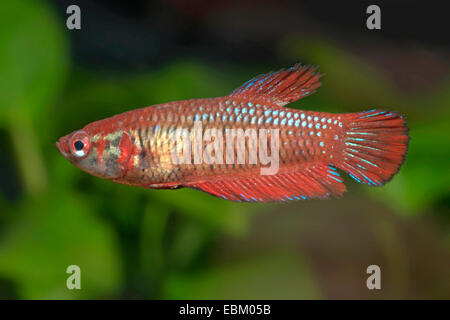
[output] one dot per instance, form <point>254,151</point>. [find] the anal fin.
<point>314,181</point>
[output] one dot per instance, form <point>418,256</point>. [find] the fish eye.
<point>80,144</point>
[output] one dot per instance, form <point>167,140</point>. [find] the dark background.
<point>183,244</point>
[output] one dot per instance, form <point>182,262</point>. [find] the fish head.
<point>102,154</point>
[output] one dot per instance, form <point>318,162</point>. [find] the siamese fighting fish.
<point>245,146</point>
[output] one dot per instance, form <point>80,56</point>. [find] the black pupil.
<point>78,145</point>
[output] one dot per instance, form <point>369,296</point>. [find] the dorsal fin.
<point>281,87</point>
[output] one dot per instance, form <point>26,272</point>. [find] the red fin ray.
<point>281,87</point>
<point>375,146</point>
<point>316,181</point>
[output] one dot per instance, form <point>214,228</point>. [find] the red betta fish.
<point>142,147</point>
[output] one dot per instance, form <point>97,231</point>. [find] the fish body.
<point>246,146</point>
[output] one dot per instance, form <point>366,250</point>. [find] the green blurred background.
<point>184,244</point>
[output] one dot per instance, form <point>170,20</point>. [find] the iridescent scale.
<point>305,136</point>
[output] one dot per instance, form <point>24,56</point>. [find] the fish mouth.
<point>62,147</point>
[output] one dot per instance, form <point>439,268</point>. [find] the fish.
<point>299,154</point>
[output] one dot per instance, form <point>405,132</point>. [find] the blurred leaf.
<point>28,155</point>
<point>276,276</point>
<point>33,64</point>
<point>28,80</point>
<point>153,228</point>
<point>180,80</point>
<point>215,212</point>
<point>52,234</point>
<point>191,238</point>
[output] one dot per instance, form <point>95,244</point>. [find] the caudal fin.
<point>374,147</point>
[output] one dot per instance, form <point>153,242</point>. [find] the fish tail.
<point>374,146</point>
